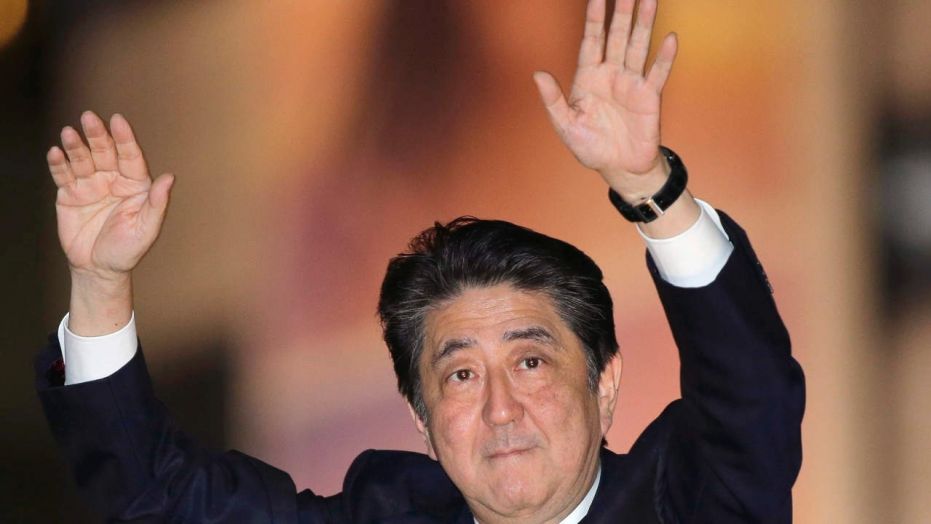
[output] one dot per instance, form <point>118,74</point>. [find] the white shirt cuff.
<point>92,358</point>
<point>694,257</point>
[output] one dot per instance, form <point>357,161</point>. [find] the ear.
<point>608,385</point>
<point>422,429</point>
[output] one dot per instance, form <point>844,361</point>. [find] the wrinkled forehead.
<point>483,315</point>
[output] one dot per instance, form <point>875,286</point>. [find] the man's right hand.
<point>109,214</point>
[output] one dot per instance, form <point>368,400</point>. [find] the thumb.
<point>157,202</point>
<point>553,98</point>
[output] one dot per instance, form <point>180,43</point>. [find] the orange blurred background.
<point>311,140</point>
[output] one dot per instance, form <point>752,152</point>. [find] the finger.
<point>619,33</point>
<point>129,157</point>
<point>662,66</point>
<point>78,155</point>
<point>639,44</point>
<point>593,40</point>
<point>159,192</point>
<point>553,98</point>
<point>58,167</point>
<point>101,144</point>
<point>153,212</point>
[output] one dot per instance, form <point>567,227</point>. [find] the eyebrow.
<point>451,346</point>
<point>536,333</point>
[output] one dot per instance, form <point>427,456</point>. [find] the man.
<point>502,340</point>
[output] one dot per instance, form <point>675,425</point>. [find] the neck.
<point>571,514</point>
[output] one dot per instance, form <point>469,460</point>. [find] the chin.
<point>517,493</point>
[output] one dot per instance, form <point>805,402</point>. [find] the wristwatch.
<point>655,206</point>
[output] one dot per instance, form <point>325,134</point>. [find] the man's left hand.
<point>611,120</point>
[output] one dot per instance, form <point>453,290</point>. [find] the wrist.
<point>679,217</point>
<point>100,304</point>
<point>635,188</point>
<point>103,278</point>
<point>657,200</point>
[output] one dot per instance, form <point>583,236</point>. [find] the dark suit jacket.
<point>727,451</point>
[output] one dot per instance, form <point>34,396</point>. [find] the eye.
<point>462,375</point>
<point>531,363</point>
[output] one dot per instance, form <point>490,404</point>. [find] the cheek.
<point>568,416</point>
<point>455,435</point>
<point>454,428</point>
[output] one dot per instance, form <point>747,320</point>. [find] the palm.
<point>611,121</point>
<point>98,220</point>
<point>615,119</point>
<point>109,210</point>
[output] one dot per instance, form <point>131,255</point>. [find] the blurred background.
<point>312,139</point>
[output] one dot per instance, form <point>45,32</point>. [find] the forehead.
<point>487,312</point>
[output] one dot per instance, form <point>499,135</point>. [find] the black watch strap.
<point>655,206</point>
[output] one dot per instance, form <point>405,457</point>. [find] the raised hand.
<point>109,214</point>
<point>611,120</point>
<point>109,210</point>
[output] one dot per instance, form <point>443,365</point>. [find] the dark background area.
<point>35,484</point>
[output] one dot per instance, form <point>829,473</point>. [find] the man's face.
<point>512,419</point>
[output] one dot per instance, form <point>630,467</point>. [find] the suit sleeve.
<point>132,464</point>
<point>735,447</point>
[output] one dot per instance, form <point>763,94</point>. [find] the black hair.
<point>467,252</point>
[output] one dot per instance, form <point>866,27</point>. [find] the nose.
<point>502,407</point>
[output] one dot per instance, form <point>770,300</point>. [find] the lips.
<point>508,453</point>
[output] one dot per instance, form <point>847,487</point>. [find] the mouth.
<point>509,453</point>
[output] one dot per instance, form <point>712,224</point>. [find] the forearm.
<point>694,257</point>
<point>743,392</point>
<point>94,358</point>
<point>98,335</point>
<point>130,461</point>
<point>100,305</point>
